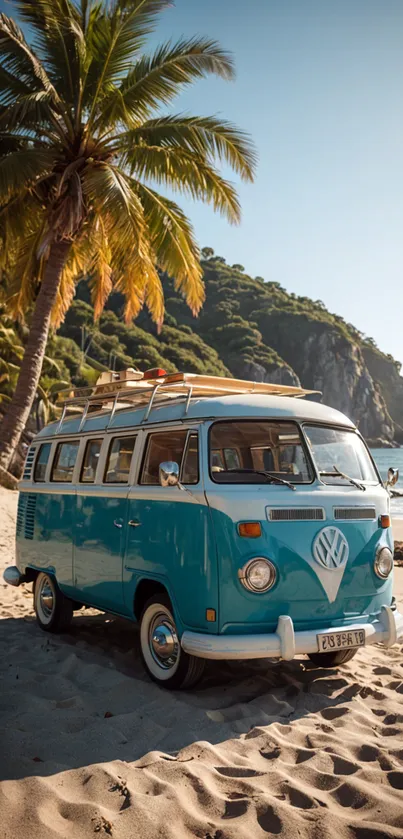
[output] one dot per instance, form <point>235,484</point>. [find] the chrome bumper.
<point>13,576</point>
<point>285,642</point>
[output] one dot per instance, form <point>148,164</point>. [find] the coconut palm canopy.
<point>85,146</point>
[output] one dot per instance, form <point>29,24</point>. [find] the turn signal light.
<point>251,529</point>
<point>210,615</point>
<point>385,521</point>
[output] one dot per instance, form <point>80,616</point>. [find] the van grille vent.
<point>29,462</point>
<point>354,513</point>
<point>297,514</point>
<point>26,515</point>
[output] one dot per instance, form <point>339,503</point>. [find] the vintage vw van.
<point>231,519</point>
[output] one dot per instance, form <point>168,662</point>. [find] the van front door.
<point>101,523</point>
<point>170,536</point>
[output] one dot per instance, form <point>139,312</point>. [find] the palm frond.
<point>64,297</point>
<point>189,174</point>
<point>19,59</point>
<point>208,136</point>
<point>11,86</point>
<point>27,274</point>
<point>139,282</point>
<point>108,190</point>
<point>157,79</point>
<point>117,33</point>
<point>174,244</point>
<point>28,111</point>
<point>59,40</point>
<point>101,270</point>
<point>21,169</point>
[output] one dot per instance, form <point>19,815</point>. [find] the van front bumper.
<point>285,642</point>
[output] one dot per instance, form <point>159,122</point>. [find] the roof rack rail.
<point>132,389</point>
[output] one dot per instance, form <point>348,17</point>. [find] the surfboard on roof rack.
<point>132,388</point>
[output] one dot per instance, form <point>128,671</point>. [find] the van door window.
<point>164,445</point>
<point>190,466</point>
<point>42,462</point>
<point>90,461</point>
<point>119,460</point>
<point>64,462</point>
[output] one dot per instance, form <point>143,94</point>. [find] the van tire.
<point>332,659</point>
<point>179,671</point>
<point>53,610</point>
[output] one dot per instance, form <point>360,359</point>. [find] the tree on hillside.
<point>83,142</point>
<point>207,253</point>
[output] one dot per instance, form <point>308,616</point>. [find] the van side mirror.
<point>169,473</point>
<point>393,477</point>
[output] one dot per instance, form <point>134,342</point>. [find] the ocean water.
<point>384,458</point>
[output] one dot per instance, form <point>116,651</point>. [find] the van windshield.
<point>337,450</point>
<point>240,450</point>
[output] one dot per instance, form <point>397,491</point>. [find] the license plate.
<point>340,640</point>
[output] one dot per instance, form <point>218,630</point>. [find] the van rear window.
<point>119,460</point>
<point>42,462</point>
<point>64,462</point>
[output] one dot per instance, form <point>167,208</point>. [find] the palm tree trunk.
<point>19,409</point>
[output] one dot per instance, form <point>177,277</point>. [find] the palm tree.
<point>84,145</point>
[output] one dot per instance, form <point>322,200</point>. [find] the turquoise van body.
<point>115,545</point>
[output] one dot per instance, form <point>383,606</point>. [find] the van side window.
<point>162,445</point>
<point>190,466</point>
<point>119,460</point>
<point>42,462</point>
<point>64,462</point>
<point>90,461</point>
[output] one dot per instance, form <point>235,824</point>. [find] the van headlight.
<point>258,575</point>
<point>383,563</point>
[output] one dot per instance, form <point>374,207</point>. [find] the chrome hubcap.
<point>46,599</point>
<point>164,643</point>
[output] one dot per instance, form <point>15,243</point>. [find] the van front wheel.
<point>162,655</point>
<point>332,659</point>
<point>53,610</point>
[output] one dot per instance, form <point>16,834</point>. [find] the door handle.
<point>134,523</point>
<point>118,524</point>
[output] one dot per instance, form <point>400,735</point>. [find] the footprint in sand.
<point>237,772</point>
<point>269,821</point>
<point>300,799</point>
<point>342,766</point>
<point>334,713</point>
<point>395,779</point>
<point>368,753</point>
<point>235,808</point>
<point>348,796</point>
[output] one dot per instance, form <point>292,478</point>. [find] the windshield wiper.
<point>272,479</point>
<point>342,475</point>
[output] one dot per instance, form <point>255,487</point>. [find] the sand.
<point>89,746</point>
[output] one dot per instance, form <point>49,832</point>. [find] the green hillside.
<point>248,328</point>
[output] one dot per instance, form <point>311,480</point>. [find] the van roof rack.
<point>133,389</point>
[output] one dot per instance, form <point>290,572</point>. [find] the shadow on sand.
<point>83,697</point>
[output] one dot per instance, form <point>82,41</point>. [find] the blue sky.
<point>320,88</point>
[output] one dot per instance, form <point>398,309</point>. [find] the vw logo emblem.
<point>330,548</point>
